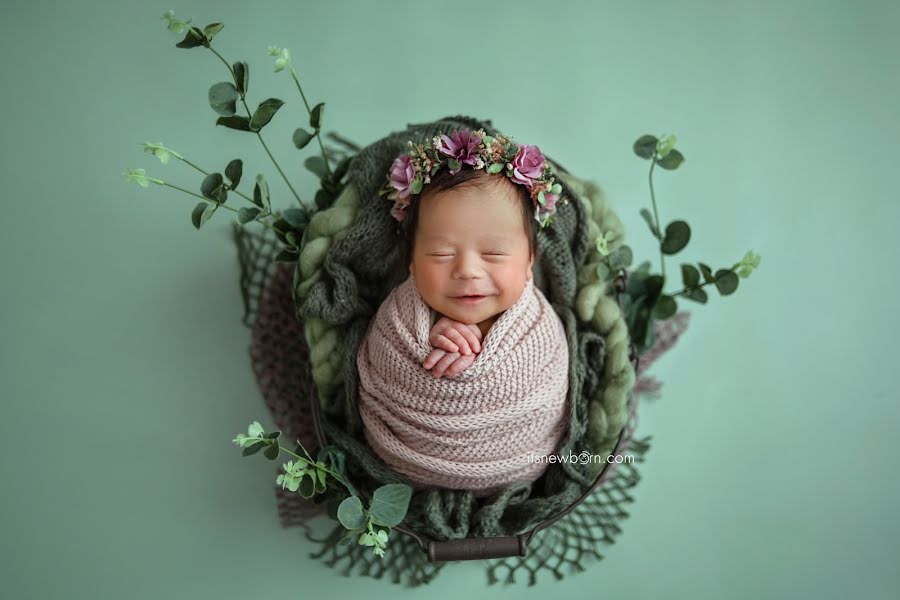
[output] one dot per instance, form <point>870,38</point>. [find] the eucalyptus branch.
<point>258,134</point>
<point>309,111</point>
<point>662,262</point>
<point>218,204</point>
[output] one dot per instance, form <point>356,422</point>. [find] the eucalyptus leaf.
<point>689,275</point>
<point>272,451</point>
<point>620,258</point>
<point>645,146</point>
<point>653,286</point>
<point>261,192</point>
<point>649,219</point>
<point>192,39</point>
<point>301,138</point>
<point>296,217</point>
<point>233,172</point>
<point>247,214</point>
<point>287,256</point>
<point>211,30</point>
<point>202,212</point>
<point>223,97</point>
<point>697,295</point>
<point>235,122</point>
<point>242,76</point>
<point>307,486</point>
<point>678,234</point>
<point>726,281</point>
<point>665,307</point>
<point>213,188</point>
<point>334,457</point>
<point>316,164</point>
<point>264,113</point>
<point>707,273</point>
<point>315,115</point>
<point>671,161</point>
<point>323,199</point>
<point>253,448</point>
<point>495,168</point>
<point>390,503</point>
<point>350,513</point>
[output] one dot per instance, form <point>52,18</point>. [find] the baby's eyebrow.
<point>490,237</point>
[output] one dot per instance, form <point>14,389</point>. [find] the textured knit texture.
<point>349,262</point>
<point>481,429</point>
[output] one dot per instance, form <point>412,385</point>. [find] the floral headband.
<point>523,164</point>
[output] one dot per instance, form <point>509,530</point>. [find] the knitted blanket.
<point>482,429</point>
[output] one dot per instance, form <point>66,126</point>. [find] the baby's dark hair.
<point>441,181</point>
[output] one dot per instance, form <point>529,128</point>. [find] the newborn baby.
<point>467,389</point>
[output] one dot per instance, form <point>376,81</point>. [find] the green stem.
<point>337,476</point>
<point>309,111</point>
<point>244,196</point>
<point>684,292</point>
<point>234,210</point>
<point>662,262</point>
<point>258,134</point>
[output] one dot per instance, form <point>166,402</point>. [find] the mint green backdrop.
<point>125,371</point>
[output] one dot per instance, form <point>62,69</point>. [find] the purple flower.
<point>527,165</point>
<point>550,201</point>
<point>403,171</point>
<point>462,146</point>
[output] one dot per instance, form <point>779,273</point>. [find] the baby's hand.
<point>447,363</point>
<point>455,347</point>
<point>454,336</point>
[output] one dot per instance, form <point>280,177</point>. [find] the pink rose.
<point>527,165</point>
<point>403,171</point>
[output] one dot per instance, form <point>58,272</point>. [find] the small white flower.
<point>283,57</point>
<point>161,152</point>
<point>602,242</point>
<point>175,25</point>
<point>140,177</point>
<point>665,144</point>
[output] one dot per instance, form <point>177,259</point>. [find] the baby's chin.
<point>470,314</point>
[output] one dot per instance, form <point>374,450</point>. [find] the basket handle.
<point>477,548</point>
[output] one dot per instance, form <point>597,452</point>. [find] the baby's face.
<point>470,240</point>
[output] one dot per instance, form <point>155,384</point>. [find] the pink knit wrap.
<point>480,430</point>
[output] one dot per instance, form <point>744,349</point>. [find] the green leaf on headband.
<point>541,200</point>
<point>315,115</point>
<point>301,138</point>
<point>264,113</point>
<point>645,146</point>
<point>496,168</point>
<point>417,184</point>
<point>556,189</point>
<point>453,164</point>
<point>222,98</point>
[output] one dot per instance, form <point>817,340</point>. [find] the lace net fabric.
<point>279,359</point>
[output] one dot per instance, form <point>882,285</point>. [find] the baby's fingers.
<point>433,358</point>
<point>460,365</point>
<point>440,341</point>
<point>459,339</point>
<point>473,340</point>
<point>442,364</point>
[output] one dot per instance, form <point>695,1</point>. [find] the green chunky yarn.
<point>350,260</point>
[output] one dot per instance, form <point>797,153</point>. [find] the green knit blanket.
<point>350,260</point>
